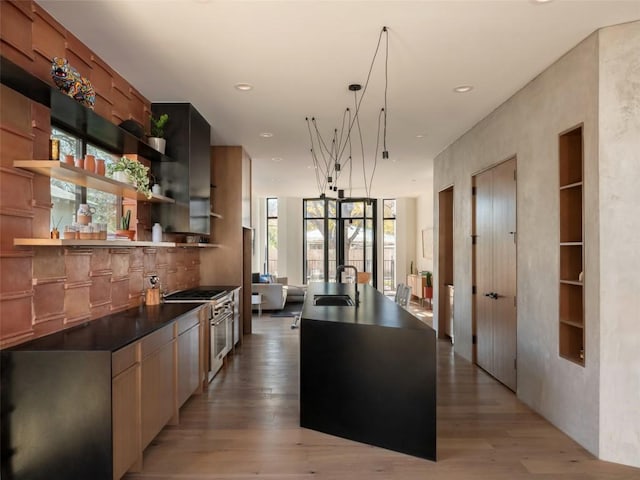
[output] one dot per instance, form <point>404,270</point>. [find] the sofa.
<point>274,295</point>
<point>296,294</point>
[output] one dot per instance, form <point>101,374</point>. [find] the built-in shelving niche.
<point>571,289</point>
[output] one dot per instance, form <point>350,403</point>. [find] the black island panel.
<point>368,373</point>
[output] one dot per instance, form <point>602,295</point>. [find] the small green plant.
<point>157,125</point>
<point>138,173</point>
<point>125,220</point>
<point>429,279</point>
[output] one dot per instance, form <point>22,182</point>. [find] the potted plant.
<point>428,289</point>
<point>131,171</point>
<point>156,138</point>
<point>124,231</point>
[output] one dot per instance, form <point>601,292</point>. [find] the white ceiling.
<point>300,56</point>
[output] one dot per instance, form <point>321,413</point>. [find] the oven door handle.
<point>218,322</point>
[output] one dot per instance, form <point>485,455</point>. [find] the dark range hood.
<point>186,178</point>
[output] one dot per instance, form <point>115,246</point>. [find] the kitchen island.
<point>368,372</point>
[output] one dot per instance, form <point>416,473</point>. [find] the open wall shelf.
<point>46,242</point>
<point>571,288</point>
<point>82,177</point>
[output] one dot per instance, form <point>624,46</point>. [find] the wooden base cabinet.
<point>158,387</point>
<point>127,454</point>
<point>417,284</point>
<point>188,358</point>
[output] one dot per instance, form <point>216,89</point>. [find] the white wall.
<point>619,177</point>
<point>258,215</point>
<point>290,239</point>
<point>527,126</point>
<point>405,237</point>
<point>424,228</point>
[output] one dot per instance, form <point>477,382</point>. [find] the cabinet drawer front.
<point>124,358</point>
<point>157,339</point>
<point>187,322</point>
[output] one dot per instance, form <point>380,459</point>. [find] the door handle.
<point>491,295</point>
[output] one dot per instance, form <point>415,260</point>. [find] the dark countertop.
<point>112,332</point>
<point>375,309</point>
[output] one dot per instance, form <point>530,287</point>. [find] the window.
<point>356,229</point>
<point>389,244</point>
<point>320,252</point>
<point>272,236</point>
<point>66,197</point>
<point>105,204</point>
<point>63,194</point>
<point>338,232</point>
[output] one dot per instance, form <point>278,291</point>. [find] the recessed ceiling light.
<point>266,134</point>
<point>244,87</point>
<point>276,159</point>
<point>463,88</point>
<point>542,1</point>
<point>420,135</point>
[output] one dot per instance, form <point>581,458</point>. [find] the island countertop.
<point>374,308</point>
<point>111,332</point>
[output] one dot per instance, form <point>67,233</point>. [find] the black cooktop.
<point>195,294</point>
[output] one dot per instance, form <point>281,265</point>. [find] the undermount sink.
<point>333,300</point>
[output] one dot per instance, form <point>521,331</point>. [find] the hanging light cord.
<point>326,167</point>
<point>385,31</point>
<point>375,158</point>
<point>386,85</point>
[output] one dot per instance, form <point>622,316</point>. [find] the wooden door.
<point>504,280</point>
<point>495,270</point>
<point>484,270</point>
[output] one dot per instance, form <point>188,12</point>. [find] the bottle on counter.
<point>156,233</point>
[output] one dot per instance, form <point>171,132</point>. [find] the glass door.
<point>357,236</point>
<point>320,247</point>
<point>339,232</point>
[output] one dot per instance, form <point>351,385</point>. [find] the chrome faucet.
<point>342,268</point>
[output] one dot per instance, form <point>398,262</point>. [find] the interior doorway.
<point>445,264</point>
<point>494,271</point>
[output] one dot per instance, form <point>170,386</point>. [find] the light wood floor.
<point>246,427</point>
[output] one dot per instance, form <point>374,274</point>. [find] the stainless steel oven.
<point>221,333</point>
<point>221,312</point>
